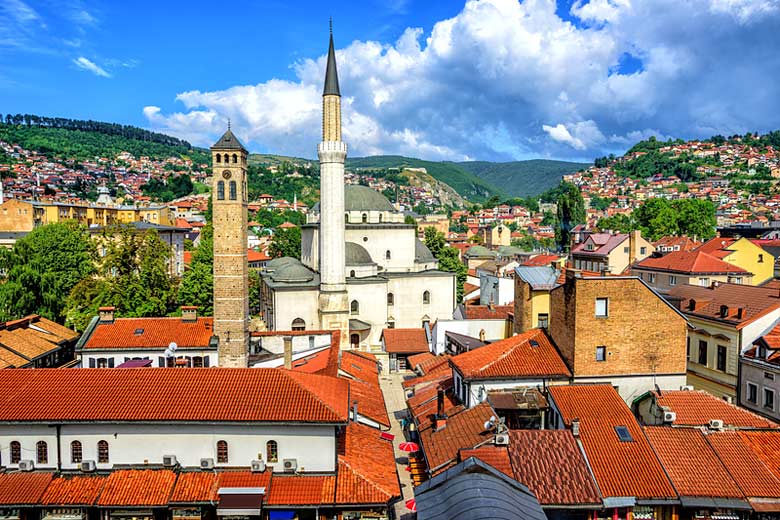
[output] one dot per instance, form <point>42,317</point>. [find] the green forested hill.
<point>522,178</point>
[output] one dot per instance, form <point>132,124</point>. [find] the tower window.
<point>75,452</point>
<point>298,324</point>
<point>222,452</point>
<point>227,158</point>
<point>16,452</point>
<point>103,452</point>
<point>221,190</point>
<point>354,307</point>
<point>219,158</point>
<point>232,190</point>
<point>42,452</point>
<point>426,297</point>
<point>235,158</point>
<point>272,451</point>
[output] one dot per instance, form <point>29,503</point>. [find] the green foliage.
<point>197,285</point>
<point>652,144</point>
<point>571,212</point>
<point>654,163</point>
<point>448,257</point>
<point>620,223</point>
<point>601,203</point>
<point>283,183</point>
<point>522,178</point>
<point>42,268</point>
<point>174,188</point>
<point>286,242</point>
<point>657,218</point>
<point>434,240</point>
<point>526,243</point>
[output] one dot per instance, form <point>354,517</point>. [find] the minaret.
<point>229,216</point>
<point>333,308</point>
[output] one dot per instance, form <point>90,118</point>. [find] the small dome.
<point>422,254</point>
<point>355,254</point>
<point>292,273</point>
<point>276,263</point>
<point>480,251</point>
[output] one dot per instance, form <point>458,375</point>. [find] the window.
<point>623,434</point>
<point>103,452</point>
<point>769,399</point>
<point>625,249</point>
<point>42,452</point>
<point>752,393</point>
<point>233,190</point>
<point>702,352</point>
<point>354,340</point>
<point>387,255</point>
<point>760,258</point>
<point>721,358</point>
<point>737,280</point>
<point>601,353</point>
<point>688,348</point>
<point>75,452</point>
<point>543,321</point>
<point>390,299</point>
<point>16,452</point>
<point>642,250</point>
<point>602,307</point>
<point>364,217</point>
<point>672,280</point>
<point>346,218</point>
<point>352,273</point>
<point>197,361</point>
<point>769,375</point>
<point>391,323</point>
<point>650,277</point>
<point>426,297</point>
<point>298,324</point>
<point>354,307</point>
<point>221,190</point>
<point>219,158</point>
<point>222,452</point>
<point>704,282</point>
<point>272,451</point>
<point>235,158</point>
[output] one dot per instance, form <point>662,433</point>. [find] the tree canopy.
<point>657,218</point>
<point>571,212</point>
<point>197,285</point>
<point>448,257</point>
<point>286,242</point>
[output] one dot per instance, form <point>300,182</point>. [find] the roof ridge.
<point>294,375</point>
<point>342,460</point>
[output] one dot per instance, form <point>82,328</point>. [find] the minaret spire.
<point>331,74</point>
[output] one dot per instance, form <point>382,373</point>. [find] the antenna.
<point>330,22</point>
<point>228,123</point>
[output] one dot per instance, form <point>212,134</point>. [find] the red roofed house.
<point>742,253</point>
<point>399,344</point>
<point>605,252</point>
<point>687,267</point>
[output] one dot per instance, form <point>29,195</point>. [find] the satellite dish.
<point>173,346</point>
<point>488,425</point>
<point>492,418</point>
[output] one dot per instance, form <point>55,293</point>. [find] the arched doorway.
<point>354,340</point>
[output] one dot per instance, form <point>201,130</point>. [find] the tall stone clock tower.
<point>229,213</point>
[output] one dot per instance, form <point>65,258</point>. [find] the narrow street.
<point>395,402</point>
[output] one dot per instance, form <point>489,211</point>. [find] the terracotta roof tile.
<point>690,462</point>
<point>527,355</point>
<point>542,260</point>
<point>148,333</point>
<point>134,487</point>
<point>366,473</point>
<point>745,467</point>
<point>689,262</point>
<point>468,288</point>
<point>405,341</point>
<point>227,479</point>
<point>21,489</point>
<point>696,408</point>
<point>313,363</point>
<point>416,359</point>
<point>621,468</point>
<point>552,466</point>
<point>717,246</point>
<point>765,444</point>
<point>754,301</point>
<point>495,456</point>
<point>371,401</point>
<point>465,429</point>
<point>436,373</point>
<point>194,487</point>
<point>357,365</point>
<point>433,362</point>
<point>142,394</point>
<point>75,490</point>
<point>485,312</point>
<point>301,490</point>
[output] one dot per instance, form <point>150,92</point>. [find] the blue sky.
<point>483,79</point>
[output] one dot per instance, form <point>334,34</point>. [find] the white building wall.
<point>409,309</point>
<point>398,240</point>
<point>496,289</point>
<point>300,343</point>
<point>373,309</point>
<point>314,447</point>
<point>494,330</point>
<point>310,248</point>
<point>120,356</point>
<point>758,328</point>
<point>631,387</point>
<point>478,390</point>
<point>289,305</point>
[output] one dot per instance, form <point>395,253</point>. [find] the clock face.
<point>226,174</point>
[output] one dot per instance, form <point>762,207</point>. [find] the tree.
<point>434,240</point>
<point>656,219</point>
<point>197,285</point>
<point>695,217</point>
<point>450,262</point>
<point>42,268</point>
<point>286,242</point>
<point>571,212</point>
<point>620,223</point>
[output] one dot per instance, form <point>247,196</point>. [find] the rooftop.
<point>710,302</point>
<point>405,341</point>
<point>149,334</point>
<point>696,408</point>
<point>690,262</point>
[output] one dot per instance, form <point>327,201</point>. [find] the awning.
<point>247,501</point>
<point>359,325</point>
<point>281,515</point>
<point>619,501</point>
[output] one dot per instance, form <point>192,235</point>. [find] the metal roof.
<point>538,277</point>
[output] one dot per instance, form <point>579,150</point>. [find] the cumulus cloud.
<point>89,65</point>
<point>510,80</point>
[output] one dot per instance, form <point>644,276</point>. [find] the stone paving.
<point>395,402</point>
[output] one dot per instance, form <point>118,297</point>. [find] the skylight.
<point>138,332</point>
<point>623,434</point>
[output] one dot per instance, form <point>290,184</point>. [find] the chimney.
<point>288,351</point>
<point>440,402</point>
<point>440,421</point>
<point>572,273</point>
<point>691,304</point>
<point>740,313</point>
<point>633,245</point>
<point>724,311</point>
<point>106,314</point>
<point>575,427</point>
<point>189,313</point>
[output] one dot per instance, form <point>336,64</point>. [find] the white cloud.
<point>88,65</point>
<point>508,79</point>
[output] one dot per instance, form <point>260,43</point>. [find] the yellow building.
<point>742,253</point>
<point>532,296</point>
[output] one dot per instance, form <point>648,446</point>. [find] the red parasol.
<point>408,446</point>
<point>411,504</point>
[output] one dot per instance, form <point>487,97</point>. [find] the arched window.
<point>388,255</point>
<point>235,158</point>
<point>390,298</point>
<point>354,340</point>
<point>365,218</point>
<point>16,452</point>
<point>427,297</point>
<point>222,452</point>
<point>482,335</point>
<point>227,158</point>
<point>233,190</point>
<point>219,158</point>
<point>354,307</point>
<point>380,217</point>
<point>75,452</point>
<point>298,324</point>
<point>42,452</point>
<point>271,451</point>
<point>103,452</point>
<point>352,273</point>
<point>346,218</point>
<point>221,190</point>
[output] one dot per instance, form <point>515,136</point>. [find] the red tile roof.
<point>683,243</point>
<point>23,488</point>
<point>485,312</point>
<point>151,333</point>
<point>527,355</point>
<point>370,400</point>
<point>718,246</point>
<point>301,490</point>
<point>745,467</point>
<point>256,256</point>
<point>469,288</point>
<point>495,456</point>
<point>689,262</point>
<point>464,430</point>
<point>416,359</point>
<point>434,374</point>
<point>227,479</point>
<point>134,487</point>
<point>73,490</point>
<point>765,444</point>
<point>621,468</point>
<point>366,472</point>
<point>542,260</point>
<point>696,408</point>
<point>313,363</point>
<point>194,487</point>
<point>143,394</point>
<point>405,341</point>
<point>552,466</point>
<point>690,462</point>
<point>755,302</point>
<point>432,363</point>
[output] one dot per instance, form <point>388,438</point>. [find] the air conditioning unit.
<point>26,465</point>
<point>669,417</point>
<point>290,464</point>
<point>258,466</point>
<point>206,463</point>
<point>716,424</point>
<point>87,466</point>
<point>502,439</point>
<point>169,460</point>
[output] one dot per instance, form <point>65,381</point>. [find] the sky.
<point>446,80</point>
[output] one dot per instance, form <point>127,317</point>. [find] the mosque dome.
<point>276,263</point>
<point>292,273</point>
<point>362,198</point>
<point>480,251</point>
<point>355,254</point>
<point>422,254</point>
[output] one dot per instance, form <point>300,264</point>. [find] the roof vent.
<point>138,332</point>
<point>716,424</point>
<point>534,343</point>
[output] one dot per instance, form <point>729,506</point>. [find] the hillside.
<point>468,185</point>
<point>522,178</point>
